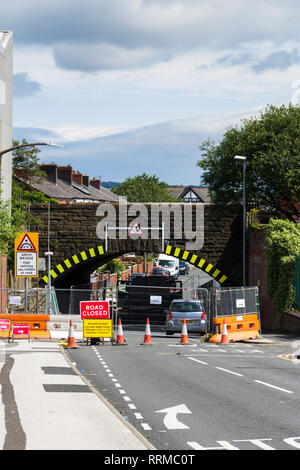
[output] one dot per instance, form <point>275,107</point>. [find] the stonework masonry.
<point>73,229</point>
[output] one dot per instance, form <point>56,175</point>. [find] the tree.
<point>15,218</point>
<point>282,247</point>
<point>271,144</point>
<point>144,188</point>
<point>27,159</point>
<point>9,228</point>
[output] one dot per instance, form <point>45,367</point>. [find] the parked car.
<point>159,272</point>
<point>192,311</point>
<point>183,267</point>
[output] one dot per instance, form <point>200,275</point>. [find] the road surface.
<point>200,396</point>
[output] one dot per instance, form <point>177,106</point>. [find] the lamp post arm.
<point>16,147</point>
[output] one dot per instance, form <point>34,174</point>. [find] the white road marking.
<point>273,386</point>
<point>257,442</point>
<point>146,427</point>
<point>197,360</point>
<point>170,420</point>
<point>127,398</point>
<point>138,416</point>
<point>131,405</point>
<point>225,445</point>
<point>229,371</point>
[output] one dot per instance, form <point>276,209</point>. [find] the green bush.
<point>114,266</point>
<point>282,246</point>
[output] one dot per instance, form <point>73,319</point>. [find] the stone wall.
<point>73,229</point>
<point>258,277</point>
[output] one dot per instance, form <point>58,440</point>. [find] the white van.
<point>169,263</point>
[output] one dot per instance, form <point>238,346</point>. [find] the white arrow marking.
<point>170,420</point>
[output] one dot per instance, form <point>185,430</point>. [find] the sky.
<point>133,86</point>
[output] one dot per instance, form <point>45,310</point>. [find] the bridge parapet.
<point>75,231</point>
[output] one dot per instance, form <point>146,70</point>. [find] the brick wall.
<point>258,277</point>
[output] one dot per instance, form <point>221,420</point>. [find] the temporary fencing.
<point>133,304</point>
<point>136,303</point>
<point>239,306</point>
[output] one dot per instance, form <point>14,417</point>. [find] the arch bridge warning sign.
<point>26,254</point>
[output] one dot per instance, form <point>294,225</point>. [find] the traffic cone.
<point>184,335</point>
<point>71,338</point>
<point>120,337</point>
<point>224,337</point>
<point>147,337</point>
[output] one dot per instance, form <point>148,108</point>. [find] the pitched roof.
<point>63,191</point>
<point>178,192</point>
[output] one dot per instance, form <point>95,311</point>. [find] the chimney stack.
<point>96,183</point>
<point>86,180</point>
<point>51,171</point>
<point>64,173</point>
<point>77,177</point>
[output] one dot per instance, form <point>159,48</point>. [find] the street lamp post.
<point>49,253</point>
<point>244,160</point>
<point>16,147</point>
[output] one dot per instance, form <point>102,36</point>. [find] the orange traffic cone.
<point>120,337</point>
<point>147,337</point>
<point>184,335</point>
<point>224,337</point>
<point>71,338</point>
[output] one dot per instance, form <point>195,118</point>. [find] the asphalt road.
<point>200,396</point>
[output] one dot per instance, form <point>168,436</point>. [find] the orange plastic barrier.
<point>37,324</point>
<point>239,328</point>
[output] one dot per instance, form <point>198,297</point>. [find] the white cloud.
<point>139,32</point>
<point>69,133</point>
<point>169,149</point>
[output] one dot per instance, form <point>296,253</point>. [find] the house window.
<point>190,196</point>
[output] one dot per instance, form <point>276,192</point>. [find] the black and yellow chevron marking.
<point>67,264</point>
<point>196,261</point>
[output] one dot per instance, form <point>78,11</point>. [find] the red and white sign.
<point>20,329</point>
<point>136,229</point>
<point>94,309</point>
<point>4,325</point>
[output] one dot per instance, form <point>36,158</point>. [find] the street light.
<point>16,147</point>
<point>244,160</point>
<point>49,253</point>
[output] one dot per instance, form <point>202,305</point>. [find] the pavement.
<point>48,405</point>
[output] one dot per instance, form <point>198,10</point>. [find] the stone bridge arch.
<point>78,251</point>
<point>64,274</point>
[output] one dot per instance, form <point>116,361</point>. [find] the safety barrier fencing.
<point>133,304</point>
<point>238,307</point>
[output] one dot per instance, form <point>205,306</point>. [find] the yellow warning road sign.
<point>97,328</point>
<point>27,254</point>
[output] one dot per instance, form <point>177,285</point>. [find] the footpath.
<point>47,405</point>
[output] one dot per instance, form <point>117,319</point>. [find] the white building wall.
<point>6,93</point>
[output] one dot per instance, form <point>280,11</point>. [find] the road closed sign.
<point>94,310</point>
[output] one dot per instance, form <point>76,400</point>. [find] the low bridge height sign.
<point>26,255</point>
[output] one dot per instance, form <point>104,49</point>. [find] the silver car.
<point>192,311</point>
